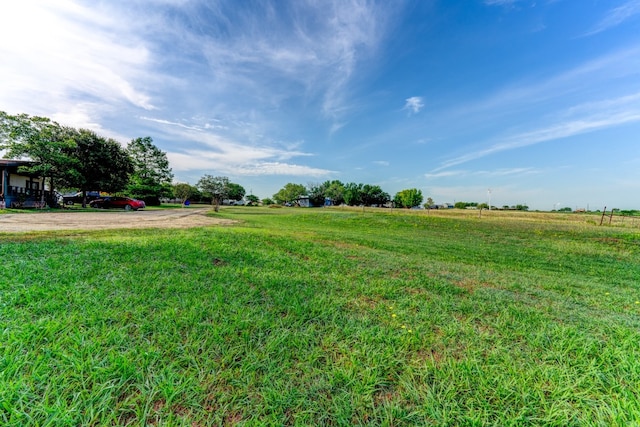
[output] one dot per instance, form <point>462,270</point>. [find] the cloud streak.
<point>414,104</point>
<point>283,50</point>
<point>84,54</point>
<point>601,115</point>
<point>493,173</point>
<point>248,63</point>
<point>617,16</point>
<point>204,150</point>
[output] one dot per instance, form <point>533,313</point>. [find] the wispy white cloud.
<point>591,74</point>
<point>206,150</point>
<point>279,51</point>
<point>508,172</point>
<point>493,173</point>
<point>86,64</point>
<point>381,163</point>
<point>617,16</point>
<point>445,174</point>
<point>55,54</point>
<point>591,117</point>
<point>168,122</point>
<point>499,2</point>
<point>207,161</point>
<point>414,104</point>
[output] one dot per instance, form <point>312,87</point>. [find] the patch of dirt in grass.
<point>233,419</point>
<point>417,291</point>
<point>100,220</point>
<point>381,397</point>
<point>158,405</point>
<point>470,285</point>
<point>430,354</point>
<point>363,302</point>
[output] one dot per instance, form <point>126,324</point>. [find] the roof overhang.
<point>14,163</point>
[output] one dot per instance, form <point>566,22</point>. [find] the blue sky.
<point>538,101</point>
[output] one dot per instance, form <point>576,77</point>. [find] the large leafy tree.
<point>373,195</point>
<point>408,198</point>
<point>290,193</point>
<point>252,199</point>
<point>353,194</point>
<point>104,165</point>
<point>215,187</point>
<point>183,191</point>
<point>335,191</point>
<point>236,191</point>
<point>429,203</point>
<point>316,193</point>
<point>151,177</point>
<point>44,142</point>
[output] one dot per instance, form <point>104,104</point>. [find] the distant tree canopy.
<point>316,194</point>
<point>151,177</point>
<point>290,193</point>
<point>252,199</point>
<point>373,195</point>
<point>352,194</point>
<point>336,192</point>
<point>408,198</point>
<point>235,191</point>
<point>183,191</point>
<point>464,205</point>
<point>214,187</point>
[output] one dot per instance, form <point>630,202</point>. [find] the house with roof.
<point>20,189</point>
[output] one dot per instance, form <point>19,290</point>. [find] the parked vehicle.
<point>70,199</point>
<point>125,203</point>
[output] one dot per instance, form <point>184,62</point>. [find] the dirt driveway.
<point>165,218</point>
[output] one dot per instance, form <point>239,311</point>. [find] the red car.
<point>125,203</point>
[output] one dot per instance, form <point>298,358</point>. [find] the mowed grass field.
<point>324,317</point>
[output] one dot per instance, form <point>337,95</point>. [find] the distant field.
<point>325,317</point>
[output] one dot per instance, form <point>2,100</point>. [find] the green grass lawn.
<point>323,317</point>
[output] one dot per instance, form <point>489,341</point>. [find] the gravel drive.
<point>165,218</point>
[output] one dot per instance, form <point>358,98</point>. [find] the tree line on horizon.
<point>82,160</point>
<point>336,192</point>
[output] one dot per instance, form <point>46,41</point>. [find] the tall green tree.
<point>104,165</point>
<point>252,199</point>
<point>215,187</point>
<point>335,191</point>
<point>236,191</point>
<point>151,177</point>
<point>408,198</point>
<point>316,193</point>
<point>373,195</point>
<point>44,142</point>
<point>290,193</point>
<point>183,191</point>
<point>353,194</point>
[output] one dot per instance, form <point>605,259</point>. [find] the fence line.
<point>618,219</point>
